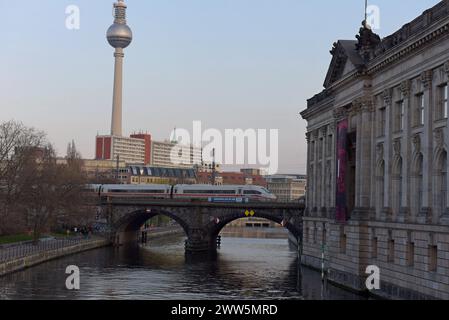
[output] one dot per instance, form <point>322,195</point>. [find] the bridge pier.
<point>126,237</point>
<point>199,241</point>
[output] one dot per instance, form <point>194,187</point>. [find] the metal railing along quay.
<point>22,250</point>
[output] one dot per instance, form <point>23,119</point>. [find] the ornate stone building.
<point>377,161</point>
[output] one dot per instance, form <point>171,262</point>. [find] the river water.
<point>251,264</point>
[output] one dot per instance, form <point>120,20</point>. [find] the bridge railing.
<point>22,250</point>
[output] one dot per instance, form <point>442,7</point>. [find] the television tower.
<point>119,36</point>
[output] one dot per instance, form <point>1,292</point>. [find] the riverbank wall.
<point>165,233</point>
<point>38,258</point>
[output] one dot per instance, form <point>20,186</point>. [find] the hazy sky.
<point>229,63</point>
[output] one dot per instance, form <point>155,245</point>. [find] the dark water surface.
<point>245,268</point>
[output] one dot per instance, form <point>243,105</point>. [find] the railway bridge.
<point>202,221</point>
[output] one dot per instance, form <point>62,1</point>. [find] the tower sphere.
<point>119,35</point>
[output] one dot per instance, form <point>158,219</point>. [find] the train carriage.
<point>210,193</point>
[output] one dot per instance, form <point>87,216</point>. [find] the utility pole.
<point>117,168</point>
<point>213,177</point>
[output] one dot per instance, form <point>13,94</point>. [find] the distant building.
<point>232,178</point>
<point>141,149</point>
<point>103,171</point>
<point>187,156</point>
<point>208,167</point>
<point>287,188</point>
<point>253,223</point>
<point>135,149</point>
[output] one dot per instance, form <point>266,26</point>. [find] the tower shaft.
<point>116,124</point>
<point>119,36</point>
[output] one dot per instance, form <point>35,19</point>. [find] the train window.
<point>251,192</point>
<point>210,191</point>
<point>136,191</point>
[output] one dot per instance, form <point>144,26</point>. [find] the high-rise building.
<point>135,150</point>
<point>172,155</point>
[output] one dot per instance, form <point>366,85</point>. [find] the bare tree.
<point>72,183</point>
<point>37,193</point>
<point>18,145</point>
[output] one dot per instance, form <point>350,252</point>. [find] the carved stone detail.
<point>439,137</point>
<point>417,142</point>
<point>308,136</point>
<point>387,96</point>
<point>397,146</point>
<point>405,88</point>
<point>446,67</point>
<point>323,131</point>
<point>340,113</point>
<point>380,151</point>
<point>426,79</point>
<point>332,127</point>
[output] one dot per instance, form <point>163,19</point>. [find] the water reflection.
<point>244,268</point>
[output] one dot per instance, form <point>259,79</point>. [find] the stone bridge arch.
<point>127,226</point>
<point>282,219</point>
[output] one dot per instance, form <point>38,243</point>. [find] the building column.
<point>323,169</point>
<point>333,167</point>
<point>427,146</point>
<point>387,97</point>
<point>309,183</point>
<point>444,219</point>
<point>315,172</point>
<point>363,160</point>
<point>365,172</point>
<point>404,210</point>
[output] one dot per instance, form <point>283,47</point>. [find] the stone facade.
<point>393,94</point>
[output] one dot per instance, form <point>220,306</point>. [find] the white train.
<point>226,193</point>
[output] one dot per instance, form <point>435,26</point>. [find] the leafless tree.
<point>37,192</point>
<point>18,144</point>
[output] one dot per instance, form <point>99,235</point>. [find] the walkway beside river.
<point>24,255</point>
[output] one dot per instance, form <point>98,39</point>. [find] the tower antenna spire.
<point>366,10</point>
